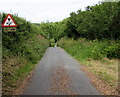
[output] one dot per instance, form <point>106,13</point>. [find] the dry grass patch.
<point>106,70</point>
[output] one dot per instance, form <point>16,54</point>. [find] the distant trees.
<point>100,21</point>
<point>52,31</point>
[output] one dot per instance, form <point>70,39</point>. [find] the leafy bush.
<point>100,21</point>
<point>21,51</point>
<point>113,51</point>
<point>84,49</point>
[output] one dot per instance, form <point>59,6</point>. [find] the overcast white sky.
<point>37,11</point>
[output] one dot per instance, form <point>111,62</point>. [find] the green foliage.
<point>23,42</point>
<point>113,51</point>
<point>97,22</point>
<point>21,51</point>
<point>53,31</point>
<point>83,49</point>
<point>52,42</point>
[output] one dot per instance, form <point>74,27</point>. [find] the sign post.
<point>9,25</point>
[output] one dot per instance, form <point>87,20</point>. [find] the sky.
<point>37,11</point>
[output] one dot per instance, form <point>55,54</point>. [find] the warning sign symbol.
<point>9,22</point>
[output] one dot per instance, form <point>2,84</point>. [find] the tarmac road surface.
<point>59,74</point>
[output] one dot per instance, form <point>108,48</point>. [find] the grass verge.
<point>17,67</point>
<point>96,56</point>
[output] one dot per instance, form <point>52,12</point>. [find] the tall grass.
<point>85,49</point>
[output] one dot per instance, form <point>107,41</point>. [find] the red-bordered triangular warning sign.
<point>9,22</point>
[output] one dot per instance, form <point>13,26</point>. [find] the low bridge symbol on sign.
<point>9,24</point>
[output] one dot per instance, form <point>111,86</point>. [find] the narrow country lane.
<point>59,74</point>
